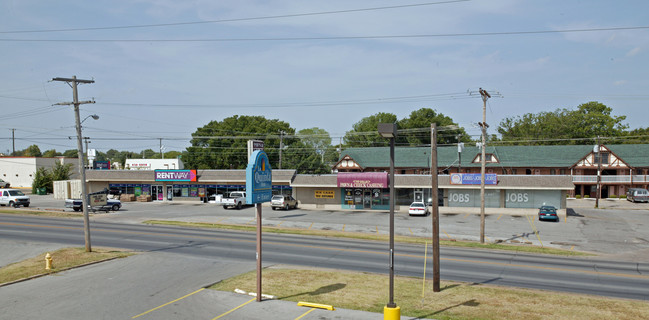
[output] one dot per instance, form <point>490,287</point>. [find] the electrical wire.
<point>411,36</point>
<point>235,19</point>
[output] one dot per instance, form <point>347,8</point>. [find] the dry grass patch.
<point>372,237</point>
<point>369,292</point>
<point>63,259</point>
<point>38,212</point>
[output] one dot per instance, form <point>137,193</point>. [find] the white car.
<point>418,208</point>
<point>13,198</point>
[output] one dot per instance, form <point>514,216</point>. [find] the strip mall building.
<point>517,177</point>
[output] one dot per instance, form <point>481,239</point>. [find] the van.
<point>637,195</point>
<point>13,198</point>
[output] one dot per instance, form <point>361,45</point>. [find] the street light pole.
<point>82,167</point>
<point>391,310</point>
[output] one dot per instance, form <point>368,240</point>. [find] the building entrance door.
<point>419,195</point>
<point>157,193</point>
<point>367,199</point>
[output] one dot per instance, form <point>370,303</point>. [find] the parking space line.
<point>466,215</point>
<point>449,237</point>
<point>311,225</point>
<point>221,219</point>
<point>377,229</point>
<point>249,301</point>
<point>251,221</point>
<point>411,231</point>
<point>304,314</point>
<point>280,223</point>
<point>168,303</point>
<point>343,228</point>
<point>500,216</point>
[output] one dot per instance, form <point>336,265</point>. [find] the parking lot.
<point>618,227</point>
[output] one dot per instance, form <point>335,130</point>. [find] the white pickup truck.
<point>236,199</point>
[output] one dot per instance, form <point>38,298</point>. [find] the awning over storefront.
<point>363,180</point>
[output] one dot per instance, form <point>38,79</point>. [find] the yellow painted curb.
<point>315,305</point>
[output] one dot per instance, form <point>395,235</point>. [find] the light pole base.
<point>391,313</point>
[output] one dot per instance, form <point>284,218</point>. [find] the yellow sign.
<point>326,194</point>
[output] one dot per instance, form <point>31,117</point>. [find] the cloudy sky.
<point>163,68</point>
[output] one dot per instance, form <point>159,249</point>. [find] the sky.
<point>163,68</point>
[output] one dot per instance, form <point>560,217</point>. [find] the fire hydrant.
<point>48,261</point>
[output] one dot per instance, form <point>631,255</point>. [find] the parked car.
<point>637,195</point>
<point>13,198</point>
<point>548,213</point>
<point>4,184</point>
<point>283,201</point>
<point>111,204</point>
<point>236,199</point>
<point>418,208</point>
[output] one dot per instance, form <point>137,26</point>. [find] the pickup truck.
<point>13,198</point>
<point>236,199</point>
<point>112,204</point>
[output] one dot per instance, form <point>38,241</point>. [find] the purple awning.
<point>363,180</point>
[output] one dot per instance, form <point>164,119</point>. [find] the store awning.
<point>363,180</point>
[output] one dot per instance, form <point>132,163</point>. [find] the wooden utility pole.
<point>599,174</point>
<point>485,95</point>
<point>13,142</point>
<point>82,168</point>
<point>434,196</point>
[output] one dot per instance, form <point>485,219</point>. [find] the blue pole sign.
<point>259,178</point>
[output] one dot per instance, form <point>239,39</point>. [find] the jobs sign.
<point>259,178</point>
<point>473,178</point>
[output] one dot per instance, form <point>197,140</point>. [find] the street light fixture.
<point>389,130</point>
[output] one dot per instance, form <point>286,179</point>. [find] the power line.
<point>412,36</point>
<point>235,19</point>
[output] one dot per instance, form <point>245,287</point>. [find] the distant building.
<point>19,171</point>
<point>154,164</point>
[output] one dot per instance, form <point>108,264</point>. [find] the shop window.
<point>528,171</point>
<point>553,171</point>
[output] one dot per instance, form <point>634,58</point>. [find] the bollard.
<point>48,261</point>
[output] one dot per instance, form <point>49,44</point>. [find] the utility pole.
<point>434,196</point>
<point>281,146</point>
<point>460,146</point>
<point>85,139</point>
<point>485,95</point>
<point>599,176</point>
<point>13,142</point>
<point>161,156</point>
<point>82,168</point>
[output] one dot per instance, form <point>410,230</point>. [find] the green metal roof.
<point>636,155</point>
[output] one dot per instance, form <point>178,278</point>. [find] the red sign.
<point>363,180</point>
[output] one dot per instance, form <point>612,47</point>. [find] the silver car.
<point>283,202</point>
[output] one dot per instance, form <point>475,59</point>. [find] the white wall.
<point>153,164</point>
<point>19,171</point>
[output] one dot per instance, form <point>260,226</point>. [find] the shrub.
<point>586,196</point>
<point>578,196</point>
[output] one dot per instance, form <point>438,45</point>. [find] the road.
<point>590,276</point>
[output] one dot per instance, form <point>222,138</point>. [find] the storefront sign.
<point>101,165</point>
<point>473,178</point>
<point>175,175</point>
<point>259,178</point>
<point>325,194</point>
<point>363,180</point>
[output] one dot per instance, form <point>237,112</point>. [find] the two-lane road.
<point>591,276</point>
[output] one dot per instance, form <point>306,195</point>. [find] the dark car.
<point>548,213</point>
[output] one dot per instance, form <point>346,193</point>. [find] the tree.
<point>42,179</point>
<point>563,126</point>
<point>61,171</point>
<point>223,144</point>
<point>51,153</point>
<point>32,151</point>
<point>150,154</point>
<point>316,138</point>
<point>365,132</point>
<point>71,153</point>
<point>416,130</point>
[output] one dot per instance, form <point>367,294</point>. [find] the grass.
<point>374,237</point>
<point>37,212</point>
<point>368,292</point>
<point>62,259</point>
